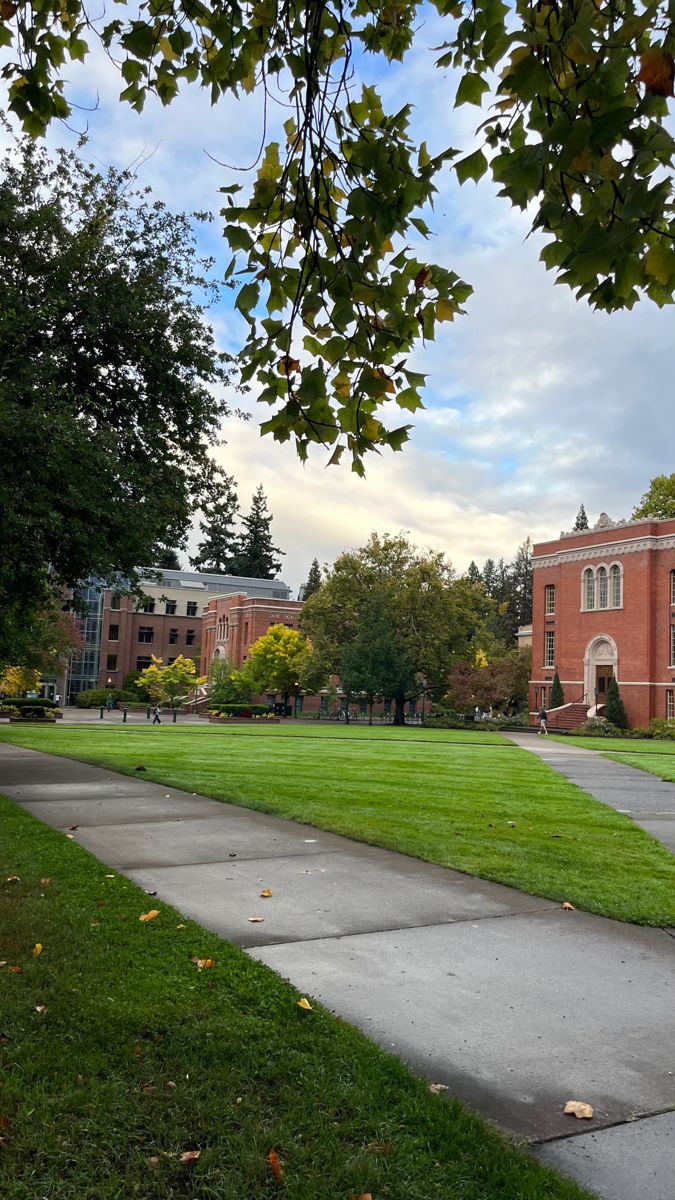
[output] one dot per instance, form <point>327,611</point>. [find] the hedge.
<point>240,710</point>
<point>38,702</point>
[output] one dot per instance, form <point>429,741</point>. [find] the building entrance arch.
<point>601,662</point>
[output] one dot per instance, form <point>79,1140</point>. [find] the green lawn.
<point>656,757</point>
<point>118,1055</point>
<point>485,807</point>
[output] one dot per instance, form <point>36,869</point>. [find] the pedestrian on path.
<point>156,715</point>
<point>542,722</point>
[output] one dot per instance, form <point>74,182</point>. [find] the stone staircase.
<point>569,716</point>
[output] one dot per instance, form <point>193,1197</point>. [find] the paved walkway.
<point>648,800</point>
<point>512,1003</point>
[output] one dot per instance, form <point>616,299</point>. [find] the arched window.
<point>616,598</point>
<point>602,587</point>
<point>589,588</point>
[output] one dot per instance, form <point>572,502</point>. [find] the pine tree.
<point>557,693</point>
<point>614,710</point>
<point>521,583</point>
<point>473,574</point>
<point>220,548</point>
<point>168,560</point>
<point>256,552</point>
<point>489,577</point>
<point>313,580</point>
<point>581,521</point>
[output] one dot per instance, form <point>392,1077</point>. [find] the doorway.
<point>603,674</point>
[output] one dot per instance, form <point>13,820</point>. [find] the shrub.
<point>557,693</point>
<point>614,709</point>
<point>597,727</point>
<point>239,710</point>
<point>95,697</point>
<point>37,702</point>
<point>9,710</point>
<point>28,712</point>
<point>661,728</point>
<point>129,686</point>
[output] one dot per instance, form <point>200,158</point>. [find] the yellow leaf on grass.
<point>15,970</point>
<point>190,1156</point>
<point>45,882</point>
<point>579,1108</point>
<point>204,964</point>
<point>37,949</point>
<point>266,892</point>
<point>304,1003</point>
<point>180,926</point>
<point>40,1008</point>
<point>149,916</point>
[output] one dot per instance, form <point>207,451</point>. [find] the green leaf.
<point>471,90</point>
<point>473,167</point>
<point>247,298</point>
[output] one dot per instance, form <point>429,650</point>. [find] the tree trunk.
<point>399,710</point>
<point>370,713</point>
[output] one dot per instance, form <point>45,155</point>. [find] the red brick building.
<point>603,605</point>
<point>231,624</point>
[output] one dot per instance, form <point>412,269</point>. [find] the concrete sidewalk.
<point>646,799</point>
<point>512,1003</point>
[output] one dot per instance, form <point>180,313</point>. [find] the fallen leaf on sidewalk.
<point>304,1003</point>
<point>149,916</point>
<point>190,1156</point>
<point>37,949</point>
<point>266,893</point>
<point>256,920</point>
<point>73,827</point>
<point>275,1165</point>
<point>438,1087</point>
<point>579,1108</point>
<point>567,907</point>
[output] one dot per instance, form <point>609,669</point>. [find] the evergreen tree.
<point>220,548</point>
<point>614,709</point>
<point>473,574</point>
<point>521,584</point>
<point>557,693</point>
<point>168,560</point>
<point>256,552</point>
<point>489,577</point>
<point>581,521</point>
<point>313,580</point>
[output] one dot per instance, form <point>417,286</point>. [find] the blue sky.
<point>533,402</point>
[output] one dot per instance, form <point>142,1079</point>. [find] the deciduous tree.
<point>106,402</point>
<point>576,97</point>
<point>659,499</point>
<point>429,616</point>
<point>172,682</point>
<point>278,662</point>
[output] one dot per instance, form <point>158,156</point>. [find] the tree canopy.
<point>313,580</point>
<point>256,552</point>
<point>107,410</point>
<point>334,295</point>
<point>218,549</point>
<point>393,619</point>
<point>659,499</point>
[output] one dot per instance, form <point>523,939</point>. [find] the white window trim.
<point>584,573</point>
<point>549,612</point>
<point>610,598</point>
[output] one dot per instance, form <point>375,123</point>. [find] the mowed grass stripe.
<point>504,817</point>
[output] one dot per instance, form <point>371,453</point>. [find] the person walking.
<point>542,722</point>
<point>156,715</point>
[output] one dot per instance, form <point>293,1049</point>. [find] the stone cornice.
<point>605,550</point>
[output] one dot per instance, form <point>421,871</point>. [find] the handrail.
<point>568,704</point>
